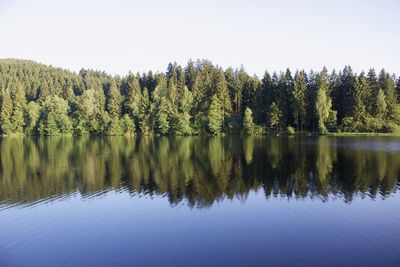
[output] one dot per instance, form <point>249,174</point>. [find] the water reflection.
<point>198,170</point>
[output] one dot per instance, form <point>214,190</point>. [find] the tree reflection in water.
<point>198,170</point>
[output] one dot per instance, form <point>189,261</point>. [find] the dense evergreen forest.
<point>200,98</point>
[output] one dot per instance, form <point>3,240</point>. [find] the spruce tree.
<point>114,100</point>
<point>359,110</point>
<point>133,97</point>
<point>381,104</point>
<point>6,110</point>
<point>19,103</point>
<point>163,116</point>
<point>215,116</point>
<point>144,113</point>
<point>299,99</point>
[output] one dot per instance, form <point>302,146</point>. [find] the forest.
<point>200,98</point>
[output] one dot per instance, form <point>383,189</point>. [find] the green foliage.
<point>392,128</point>
<point>144,113</point>
<point>114,100</point>
<point>299,100</point>
<point>132,102</point>
<point>183,127</point>
<point>54,118</point>
<point>198,99</point>
<point>215,116</point>
<point>331,122</point>
<point>323,103</point>
<point>347,124</point>
<point>275,115</point>
<point>128,125</point>
<point>163,116</point>
<point>381,106</point>
<point>32,113</point>
<point>290,130</point>
<point>6,110</point>
<point>115,127</point>
<point>248,124</point>
<point>19,103</point>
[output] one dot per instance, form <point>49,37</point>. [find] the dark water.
<point>272,201</point>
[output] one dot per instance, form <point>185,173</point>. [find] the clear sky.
<point>118,36</point>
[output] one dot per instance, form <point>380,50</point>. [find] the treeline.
<point>200,98</point>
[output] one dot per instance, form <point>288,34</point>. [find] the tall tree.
<point>145,113</point>
<point>163,116</point>
<point>275,116</point>
<point>114,100</point>
<point>215,116</point>
<point>381,104</point>
<point>6,110</point>
<point>19,103</point>
<point>361,88</point>
<point>323,103</point>
<point>132,101</point>
<point>299,99</point>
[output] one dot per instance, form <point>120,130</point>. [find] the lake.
<point>200,201</point>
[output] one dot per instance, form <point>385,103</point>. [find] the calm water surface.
<point>271,201</point>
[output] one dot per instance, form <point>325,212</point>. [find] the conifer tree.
<point>144,113</point>
<point>133,97</point>
<point>359,110</point>
<point>223,93</point>
<point>381,104</point>
<point>114,100</point>
<point>19,103</point>
<point>6,110</point>
<point>299,99</point>
<point>163,116</point>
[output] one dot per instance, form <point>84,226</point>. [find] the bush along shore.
<point>200,98</point>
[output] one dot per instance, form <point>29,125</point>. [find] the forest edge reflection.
<point>198,170</point>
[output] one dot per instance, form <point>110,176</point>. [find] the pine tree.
<point>114,100</point>
<point>183,126</point>
<point>128,125</point>
<point>374,88</point>
<point>215,116</point>
<point>163,116</point>
<point>299,99</point>
<point>133,97</point>
<point>19,103</point>
<point>144,113</point>
<point>6,110</point>
<point>248,124</point>
<point>386,83</point>
<point>381,104</point>
<point>43,92</point>
<point>222,92</point>
<point>359,110</point>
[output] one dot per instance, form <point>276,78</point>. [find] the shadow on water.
<point>198,170</point>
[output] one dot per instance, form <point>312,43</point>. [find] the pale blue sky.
<point>118,36</point>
